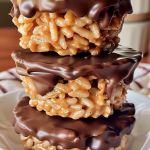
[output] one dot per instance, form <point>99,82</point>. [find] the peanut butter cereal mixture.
<point>66,34</point>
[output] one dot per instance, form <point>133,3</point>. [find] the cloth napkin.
<point>9,80</point>
<point>141,82</point>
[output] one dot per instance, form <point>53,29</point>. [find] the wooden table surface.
<point>9,39</point>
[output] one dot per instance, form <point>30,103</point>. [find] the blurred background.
<point>9,37</point>
<point>136,30</point>
<point>135,33</point>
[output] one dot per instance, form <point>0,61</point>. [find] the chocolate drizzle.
<point>99,10</point>
<point>98,134</point>
<point>46,69</point>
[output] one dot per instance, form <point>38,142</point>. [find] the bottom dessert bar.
<point>32,143</point>
<point>41,132</point>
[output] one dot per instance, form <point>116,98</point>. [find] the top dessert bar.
<point>69,27</point>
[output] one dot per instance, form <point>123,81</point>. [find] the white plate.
<point>140,139</point>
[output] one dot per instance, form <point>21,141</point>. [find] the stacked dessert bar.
<point>74,73</point>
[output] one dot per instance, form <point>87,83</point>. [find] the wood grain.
<point>146,59</point>
<point>9,40</point>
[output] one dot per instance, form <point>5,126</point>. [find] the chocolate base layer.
<point>99,10</point>
<point>97,134</point>
<point>46,69</point>
<point>32,143</point>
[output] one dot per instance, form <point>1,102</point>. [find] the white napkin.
<point>141,82</point>
<point>9,140</point>
<point>9,81</point>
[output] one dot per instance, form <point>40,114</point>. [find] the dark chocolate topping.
<point>46,69</point>
<point>98,134</point>
<point>99,10</point>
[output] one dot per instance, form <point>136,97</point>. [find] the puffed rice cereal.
<point>76,99</point>
<point>66,34</point>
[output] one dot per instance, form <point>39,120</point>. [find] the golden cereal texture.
<point>32,143</point>
<point>76,99</point>
<point>66,34</point>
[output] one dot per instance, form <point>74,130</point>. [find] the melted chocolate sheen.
<point>46,69</point>
<point>98,134</point>
<point>99,10</point>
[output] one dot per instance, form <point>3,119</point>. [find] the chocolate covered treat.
<point>74,73</point>
<point>77,86</point>
<point>69,27</point>
<point>39,131</point>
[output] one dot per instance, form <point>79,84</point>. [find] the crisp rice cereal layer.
<point>66,34</point>
<point>77,98</point>
<point>32,143</point>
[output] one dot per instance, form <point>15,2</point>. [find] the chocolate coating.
<point>99,10</point>
<point>98,134</point>
<point>46,69</point>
